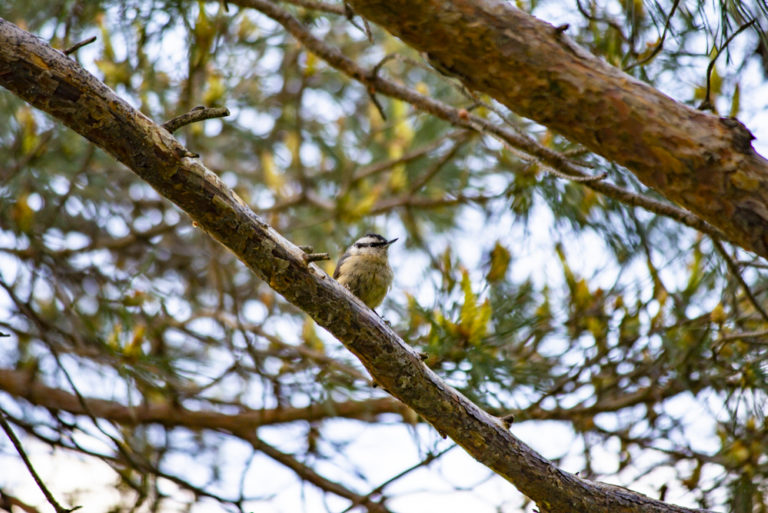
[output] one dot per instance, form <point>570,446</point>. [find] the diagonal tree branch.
<point>17,445</point>
<point>7,501</point>
<point>48,80</point>
<point>700,161</point>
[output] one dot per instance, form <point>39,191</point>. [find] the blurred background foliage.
<point>642,340</point>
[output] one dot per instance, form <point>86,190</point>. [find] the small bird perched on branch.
<point>364,269</point>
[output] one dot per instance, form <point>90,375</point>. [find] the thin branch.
<point>378,167</point>
<point>308,474</point>
<point>195,115</point>
<point>435,168</point>
<point>305,196</point>
<point>315,5</point>
<point>6,174</point>
<point>302,351</point>
<point>736,272</point>
<point>8,501</point>
<point>746,335</point>
<point>371,91</point>
<point>315,257</point>
<point>425,203</point>
<point>114,461</point>
<point>580,179</point>
<point>22,384</point>
<point>377,491</point>
<point>614,25</point>
<point>707,103</point>
<point>660,44</point>
<point>40,484</point>
<point>97,244</point>
<point>747,263</point>
<point>365,29</point>
<point>75,47</point>
<point>122,448</point>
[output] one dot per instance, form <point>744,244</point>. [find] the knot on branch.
<point>742,137</point>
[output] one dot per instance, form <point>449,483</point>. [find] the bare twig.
<point>308,474</point>
<point>372,169</point>
<point>614,25</point>
<point>199,113</point>
<point>24,160</point>
<point>377,491</point>
<point>8,501</point>
<point>40,484</point>
<point>390,56</point>
<point>746,335</point>
<point>315,257</point>
<point>143,466</point>
<point>756,265</point>
<point>734,269</point>
<point>707,103</point>
<point>580,179</point>
<point>365,29</point>
<point>75,47</point>
<point>430,173</point>
<point>310,255</point>
<point>376,103</point>
<point>112,244</point>
<point>371,91</point>
<point>660,44</point>
<point>315,5</point>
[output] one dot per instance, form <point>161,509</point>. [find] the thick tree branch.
<point>693,158</point>
<point>53,83</point>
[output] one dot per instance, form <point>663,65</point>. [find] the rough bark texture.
<point>698,160</point>
<point>47,79</point>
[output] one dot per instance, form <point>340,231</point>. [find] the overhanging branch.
<point>698,160</point>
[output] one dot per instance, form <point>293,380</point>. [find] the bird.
<point>364,269</point>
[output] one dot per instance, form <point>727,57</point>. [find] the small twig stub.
<point>199,113</point>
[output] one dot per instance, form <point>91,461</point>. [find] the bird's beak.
<point>393,240</point>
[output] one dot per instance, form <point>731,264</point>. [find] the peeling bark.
<point>700,161</point>
<point>48,80</point>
